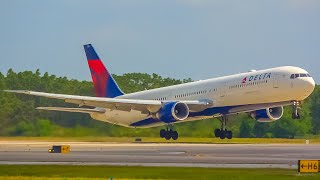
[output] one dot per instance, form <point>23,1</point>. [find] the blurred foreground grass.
<point>57,172</point>
<point>160,140</point>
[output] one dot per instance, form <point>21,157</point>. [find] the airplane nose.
<point>304,86</point>
<point>308,85</point>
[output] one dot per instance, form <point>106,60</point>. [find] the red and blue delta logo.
<point>244,80</point>
<point>257,77</point>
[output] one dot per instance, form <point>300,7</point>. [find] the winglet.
<point>104,84</point>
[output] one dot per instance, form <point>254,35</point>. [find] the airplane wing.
<point>110,103</point>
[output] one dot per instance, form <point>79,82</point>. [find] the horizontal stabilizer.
<point>79,110</point>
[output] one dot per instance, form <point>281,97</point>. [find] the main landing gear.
<point>295,110</point>
<point>223,132</point>
<point>169,133</point>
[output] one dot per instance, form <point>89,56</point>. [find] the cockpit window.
<point>293,76</point>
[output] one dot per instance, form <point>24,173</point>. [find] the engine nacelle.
<point>173,111</point>
<point>268,115</point>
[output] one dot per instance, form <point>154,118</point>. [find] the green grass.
<point>128,172</point>
<point>160,140</point>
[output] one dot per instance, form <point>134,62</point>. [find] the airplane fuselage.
<point>271,87</point>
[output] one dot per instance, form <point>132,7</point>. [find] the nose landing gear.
<point>295,110</point>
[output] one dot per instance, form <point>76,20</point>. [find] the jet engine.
<point>268,115</point>
<point>173,111</point>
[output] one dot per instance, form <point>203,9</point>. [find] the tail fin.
<point>104,84</point>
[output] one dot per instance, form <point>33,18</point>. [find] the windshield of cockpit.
<point>293,76</point>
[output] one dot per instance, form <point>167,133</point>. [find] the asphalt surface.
<point>185,155</point>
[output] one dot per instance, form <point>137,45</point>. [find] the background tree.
<point>18,116</point>
<point>315,110</point>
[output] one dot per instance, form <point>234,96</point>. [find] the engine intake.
<point>173,111</point>
<point>268,115</point>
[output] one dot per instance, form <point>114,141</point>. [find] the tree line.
<point>18,116</point>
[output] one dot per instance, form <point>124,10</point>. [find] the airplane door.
<point>223,90</point>
<point>276,80</point>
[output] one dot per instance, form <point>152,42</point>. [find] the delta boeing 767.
<point>262,94</point>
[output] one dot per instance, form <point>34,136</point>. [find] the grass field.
<point>126,172</point>
<point>160,140</point>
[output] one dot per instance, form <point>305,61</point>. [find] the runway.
<point>150,154</point>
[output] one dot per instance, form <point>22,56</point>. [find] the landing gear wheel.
<point>229,134</point>
<point>295,116</point>
<point>217,132</point>
<point>223,132</point>
<point>162,133</point>
<point>174,135</point>
<point>298,116</point>
<point>222,135</point>
<point>168,135</point>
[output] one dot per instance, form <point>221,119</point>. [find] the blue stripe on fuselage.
<point>212,111</point>
<point>207,112</point>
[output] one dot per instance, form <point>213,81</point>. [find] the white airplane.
<point>262,94</point>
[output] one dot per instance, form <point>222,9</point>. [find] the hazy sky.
<point>192,38</point>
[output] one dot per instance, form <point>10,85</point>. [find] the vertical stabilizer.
<point>104,84</point>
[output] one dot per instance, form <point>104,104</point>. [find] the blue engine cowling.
<point>173,111</point>
<point>268,115</point>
